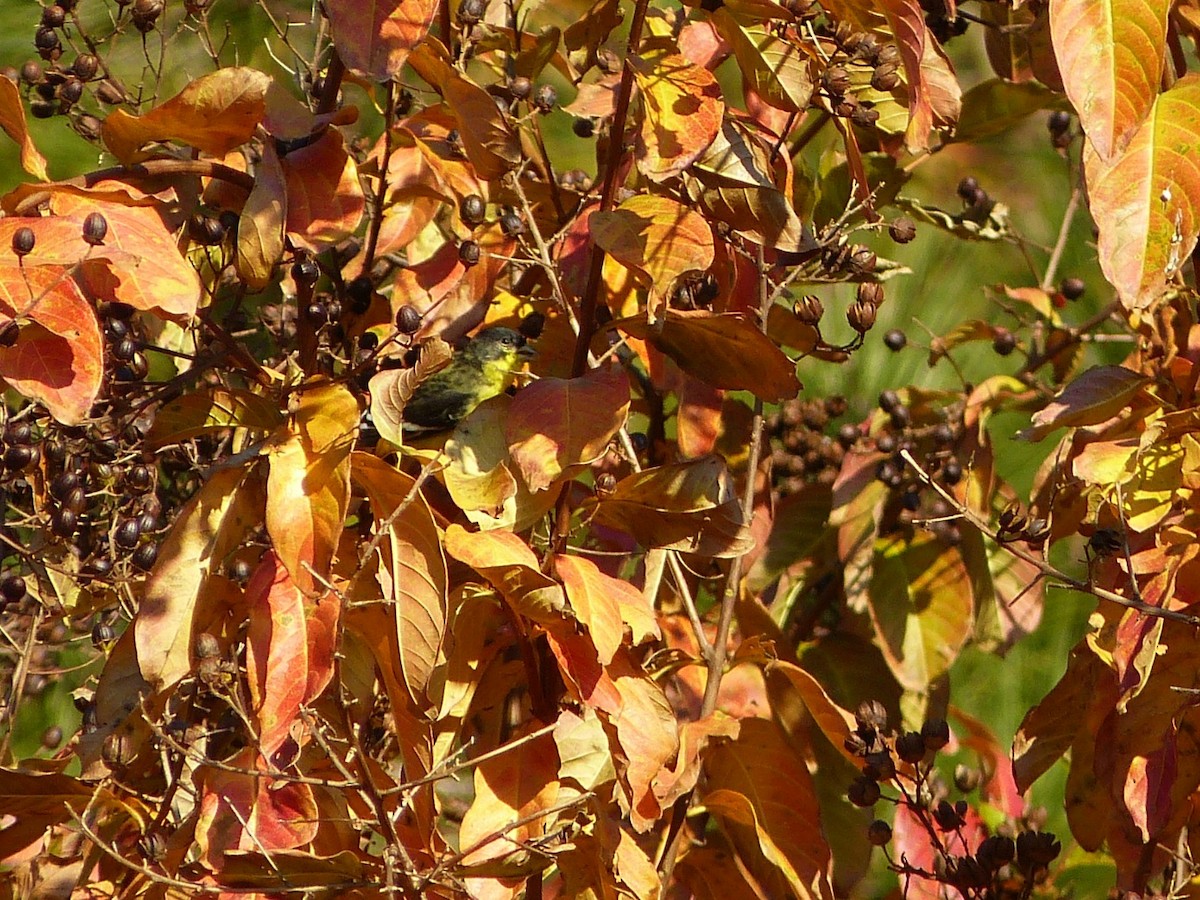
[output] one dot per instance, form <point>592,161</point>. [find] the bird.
<point>478,372</point>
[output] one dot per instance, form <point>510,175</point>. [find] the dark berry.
<point>902,230</point>
<point>305,271</point>
<point>583,128</point>
<point>23,240</point>
<point>144,557</point>
<point>18,433</point>
<point>1059,122</point>
<point>71,91</point>
<point>125,349</point>
<point>95,228</point>
<point>17,458</point>
<point>967,188</point>
<point>470,12</point>
<point>472,209</point>
<point>879,833</point>
<point>520,87</point>
<point>512,224</point>
<point>408,319</point>
<point>12,587</point>
<point>936,734</point>
<point>545,98</point>
<point>952,472</point>
<point>889,400</point>
<point>207,231</point>
<point>360,291</point>
<point>469,253</point>
<point>368,340</point>
<point>127,533</point>
<point>63,523</point>
<point>1072,288</point>
<point>46,40</point>
<point>86,66</point>
<point>895,340</point>
<point>317,313</point>
<point>1004,342</point>
<point>31,72</point>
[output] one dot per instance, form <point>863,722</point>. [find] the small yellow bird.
<point>478,372</point>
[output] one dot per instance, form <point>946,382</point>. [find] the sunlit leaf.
<point>1111,58</point>
<point>276,651</point>
<point>260,231</point>
<point>1144,199</point>
<point>725,351</point>
<point>776,69</point>
<point>596,600</point>
<point>324,197</point>
<point>376,36</point>
<point>12,120</point>
<point>583,749</point>
<point>412,570</point>
<point>512,568</point>
<point>554,424</point>
<point>214,114</point>
<point>207,529</point>
<point>649,739</point>
<point>682,114</point>
<point>206,410</point>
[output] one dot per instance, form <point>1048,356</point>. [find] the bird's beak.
<point>527,352</point>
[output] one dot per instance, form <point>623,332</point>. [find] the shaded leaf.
<point>215,113</point>
<point>1144,199</point>
<point>835,723</point>
<point>1111,59</point>
<point>994,107</point>
<point>12,120</point>
<point>776,69</point>
<point>682,112</point>
<point>412,569</point>
<point>376,36</point>
<point>762,792</point>
<point>554,424</point>
<point>293,868</point>
<point>1094,397</point>
<point>691,507</point>
<point>260,230</point>
<point>210,409</point>
<point>725,351</point>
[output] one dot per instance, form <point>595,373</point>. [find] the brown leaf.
<point>556,424</point>
<point>512,569</point>
<point>1144,199</point>
<point>906,20</point>
<point>1111,59</point>
<point>724,350</point>
<point>682,110</point>
<point>206,410</point>
<point>1094,397</point>
<point>761,790</point>
<point>207,529</point>
<point>324,198</point>
<point>835,723</point>
<point>691,507</point>
<point>375,37</point>
<point>12,120</point>
<point>214,114</point>
<point>412,569</point>
<point>260,229</point>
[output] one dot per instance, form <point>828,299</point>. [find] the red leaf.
<point>376,36</point>
<point>276,652</point>
<point>324,197</point>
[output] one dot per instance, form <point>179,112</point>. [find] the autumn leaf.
<point>1094,397</point>
<point>776,69</point>
<point>761,790</point>
<point>995,106</point>
<point>594,600</point>
<point>657,237</point>
<point>512,569</point>
<point>682,114</point>
<point>689,507</point>
<point>1111,59</point>
<point>260,231</point>
<point>555,424</point>
<point>324,198</point>
<point>1144,199</point>
<point>12,120</point>
<point>308,482</point>
<point>207,529</point>
<point>648,736</point>
<point>376,37</point>
<point>206,410</point>
<point>583,749</point>
<point>57,358</point>
<point>412,568</point>
<point>214,114</point>
<point>906,20</point>
<point>724,350</point>
<point>392,388</point>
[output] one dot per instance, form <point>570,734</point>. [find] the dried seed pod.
<point>808,309</point>
<point>146,13</point>
<point>902,230</point>
<point>836,80</point>
<point>861,316</point>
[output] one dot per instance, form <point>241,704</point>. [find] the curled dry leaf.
<point>12,120</point>
<point>1094,397</point>
<point>391,388</point>
<point>691,507</point>
<point>214,114</point>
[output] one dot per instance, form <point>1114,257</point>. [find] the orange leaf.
<point>207,529</point>
<point>308,485</point>
<point>12,120</point>
<point>593,597</point>
<point>276,652</point>
<point>260,228</point>
<point>511,567</point>
<point>206,410</point>
<point>835,723</point>
<point>324,198</point>
<point>648,735</point>
<point>507,788</point>
<point>725,351</point>
<point>57,359</point>
<point>554,424</point>
<point>657,237</point>
<point>214,114</point>
<point>376,36</point>
<point>761,790</point>
<point>777,70</point>
<point>1111,58</point>
<point>906,20</point>
<point>689,506</point>
<point>412,569</point>
<point>1144,200</point>
<point>683,111</point>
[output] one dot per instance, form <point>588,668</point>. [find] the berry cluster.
<point>1004,864</point>
<point>801,451</point>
